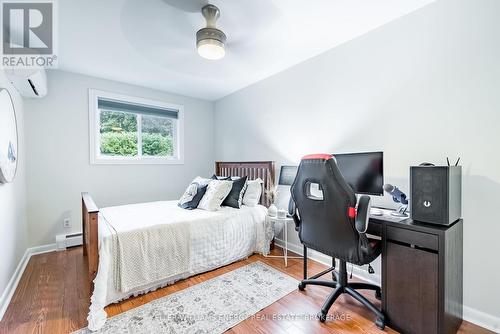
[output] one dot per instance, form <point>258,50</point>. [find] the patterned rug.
<point>212,306</point>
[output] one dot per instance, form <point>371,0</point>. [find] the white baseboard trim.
<point>359,272</point>
<point>18,273</point>
<point>477,317</point>
<point>42,249</point>
<point>12,285</point>
<point>482,319</point>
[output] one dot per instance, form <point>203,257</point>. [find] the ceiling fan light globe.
<point>211,41</point>
<point>211,49</point>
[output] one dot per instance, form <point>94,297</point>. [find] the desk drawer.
<point>420,239</point>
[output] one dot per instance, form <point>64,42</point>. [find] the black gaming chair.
<point>328,222</point>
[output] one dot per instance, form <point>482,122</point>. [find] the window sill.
<point>143,161</point>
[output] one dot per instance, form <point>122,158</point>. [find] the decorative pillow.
<point>216,177</point>
<point>201,180</point>
<point>217,191</point>
<point>193,194</point>
<point>253,192</point>
<point>235,197</point>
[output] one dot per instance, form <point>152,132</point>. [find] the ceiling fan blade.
<point>247,26</point>
<point>191,6</point>
<point>166,28</point>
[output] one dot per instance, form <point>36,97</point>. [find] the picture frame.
<point>8,138</point>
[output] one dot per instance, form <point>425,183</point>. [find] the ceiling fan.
<point>169,37</point>
<point>210,41</point>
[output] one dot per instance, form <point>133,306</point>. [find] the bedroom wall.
<point>13,226</point>
<point>421,88</point>
<point>58,169</point>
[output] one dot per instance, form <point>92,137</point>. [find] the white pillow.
<point>253,192</point>
<point>216,192</point>
<point>201,180</point>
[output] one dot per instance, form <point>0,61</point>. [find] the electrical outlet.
<point>66,223</point>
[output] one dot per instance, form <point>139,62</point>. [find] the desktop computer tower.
<point>436,194</point>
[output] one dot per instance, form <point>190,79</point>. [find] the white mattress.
<point>216,238</point>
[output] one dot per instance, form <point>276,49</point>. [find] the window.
<point>131,130</point>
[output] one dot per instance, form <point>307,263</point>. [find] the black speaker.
<point>436,194</point>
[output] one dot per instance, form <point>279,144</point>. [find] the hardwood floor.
<point>53,297</point>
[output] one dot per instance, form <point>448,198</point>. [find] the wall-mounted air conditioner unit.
<point>30,83</point>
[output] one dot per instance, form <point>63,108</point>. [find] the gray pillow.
<point>192,196</point>
<point>235,197</point>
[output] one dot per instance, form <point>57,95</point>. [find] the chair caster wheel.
<point>321,316</point>
<point>380,323</point>
<point>302,286</point>
<point>378,294</point>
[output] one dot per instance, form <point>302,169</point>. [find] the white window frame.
<point>94,132</point>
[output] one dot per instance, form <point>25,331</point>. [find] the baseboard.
<point>42,249</point>
<point>18,273</point>
<point>482,319</point>
<point>12,285</point>
<point>477,317</point>
<point>358,271</point>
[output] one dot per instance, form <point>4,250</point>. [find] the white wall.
<point>421,88</point>
<point>58,151</point>
<point>13,226</point>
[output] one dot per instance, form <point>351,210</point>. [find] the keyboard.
<point>385,214</point>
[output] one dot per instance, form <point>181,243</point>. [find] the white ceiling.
<point>151,43</point>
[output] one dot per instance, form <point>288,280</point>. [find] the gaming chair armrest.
<point>292,211</point>
<point>363,214</point>
<point>296,220</point>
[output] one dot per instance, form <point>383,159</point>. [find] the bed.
<point>210,238</point>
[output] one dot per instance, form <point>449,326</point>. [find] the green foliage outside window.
<point>120,143</point>
<point>154,144</point>
<point>112,121</point>
<point>119,135</point>
<point>125,144</point>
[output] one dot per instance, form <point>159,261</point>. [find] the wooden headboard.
<point>251,169</point>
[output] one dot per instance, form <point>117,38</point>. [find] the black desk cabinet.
<point>421,276</point>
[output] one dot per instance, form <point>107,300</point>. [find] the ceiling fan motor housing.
<point>211,34</point>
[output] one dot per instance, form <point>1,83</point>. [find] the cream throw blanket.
<point>147,255</point>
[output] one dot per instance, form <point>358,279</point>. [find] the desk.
<point>422,280</point>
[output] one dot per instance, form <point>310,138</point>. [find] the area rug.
<point>212,306</point>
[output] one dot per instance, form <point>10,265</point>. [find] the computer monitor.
<point>364,172</point>
<point>287,175</point>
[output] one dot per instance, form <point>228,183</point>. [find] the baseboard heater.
<point>64,241</point>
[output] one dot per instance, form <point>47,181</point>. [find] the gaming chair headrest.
<point>335,198</point>
<point>321,169</point>
<point>320,156</point>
